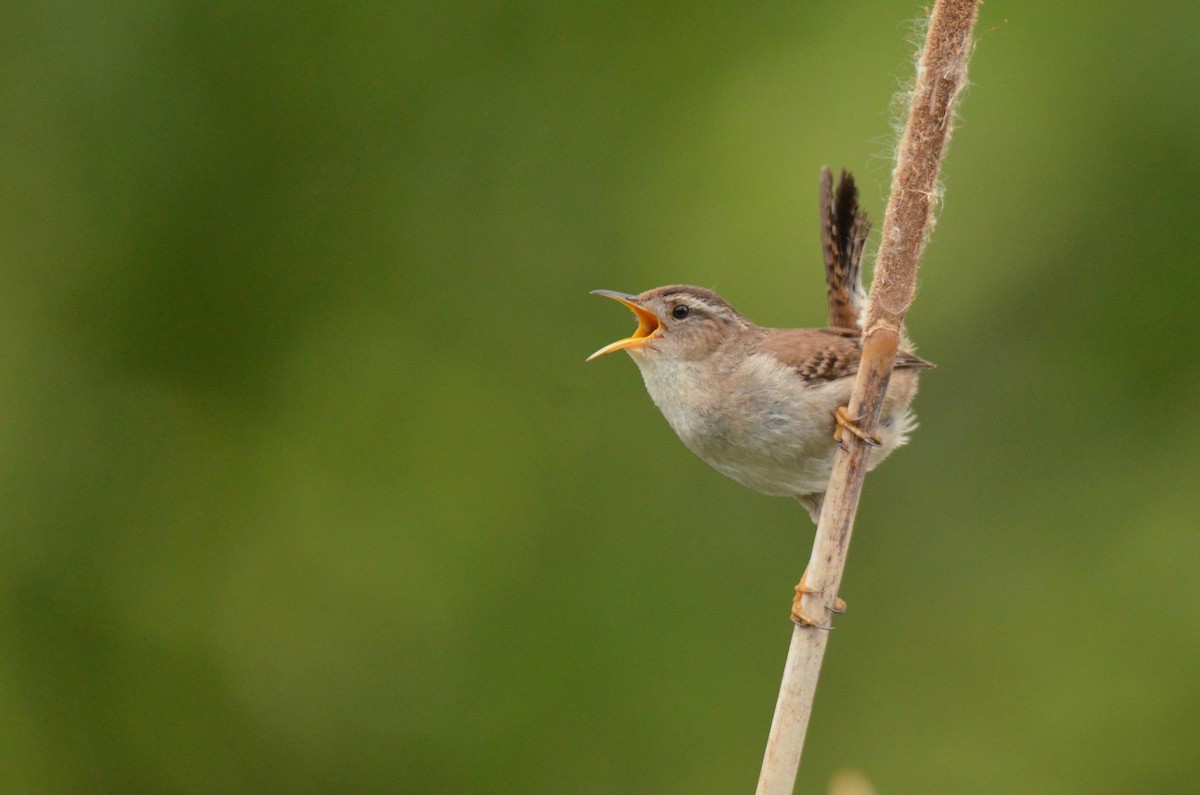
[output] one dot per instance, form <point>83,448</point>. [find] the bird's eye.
<point>680,312</point>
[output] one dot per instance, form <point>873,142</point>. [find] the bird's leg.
<point>842,422</point>
<point>799,617</point>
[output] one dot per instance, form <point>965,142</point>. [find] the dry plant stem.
<point>941,77</point>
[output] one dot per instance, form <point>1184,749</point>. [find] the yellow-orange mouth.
<point>648,328</point>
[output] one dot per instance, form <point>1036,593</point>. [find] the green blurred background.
<point>306,487</point>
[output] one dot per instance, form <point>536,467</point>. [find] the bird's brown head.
<point>677,321</point>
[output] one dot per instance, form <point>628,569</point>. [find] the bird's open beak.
<point>648,328</point>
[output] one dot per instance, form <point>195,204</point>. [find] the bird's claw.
<point>803,619</point>
<point>843,422</point>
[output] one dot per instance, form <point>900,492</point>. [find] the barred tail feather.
<point>844,230</point>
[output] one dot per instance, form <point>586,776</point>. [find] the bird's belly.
<point>788,450</point>
<point>777,446</point>
<point>780,457</point>
<point>807,475</point>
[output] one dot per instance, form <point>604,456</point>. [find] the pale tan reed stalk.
<point>941,77</point>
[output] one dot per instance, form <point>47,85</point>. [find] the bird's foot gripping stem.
<point>843,424</point>
<point>803,619</point>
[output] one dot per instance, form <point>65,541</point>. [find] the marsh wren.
<point>767,406</point>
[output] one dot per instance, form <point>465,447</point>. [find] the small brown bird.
<point>767,406</point>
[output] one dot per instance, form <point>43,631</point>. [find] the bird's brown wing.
<point>844,230</point>
<point>825,354</point>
